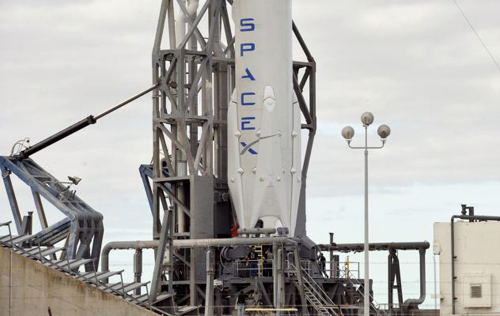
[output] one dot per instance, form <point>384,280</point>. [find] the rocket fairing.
<point>264,122</point>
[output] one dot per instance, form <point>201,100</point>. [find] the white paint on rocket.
<point>264,163</point>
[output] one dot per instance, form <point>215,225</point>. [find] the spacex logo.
<point>247,98</point>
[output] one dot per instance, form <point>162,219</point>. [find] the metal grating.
<point>476,291</point>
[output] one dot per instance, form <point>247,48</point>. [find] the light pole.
<point>348,133</point>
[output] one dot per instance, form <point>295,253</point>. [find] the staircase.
<point>374,306</point>
<point>47,256</point>
<point>315,295</point>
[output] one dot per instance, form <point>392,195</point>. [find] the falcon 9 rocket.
<point>264,121</point>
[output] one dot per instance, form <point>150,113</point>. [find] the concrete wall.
<point>477,264</point>
<point>30,288</point>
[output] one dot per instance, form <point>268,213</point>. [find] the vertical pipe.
<point>390,281</point>
<point>275,274</point>
<point>209,293</point>
<point>413,303</point>
<point>422,275</point>
<point>331,257</point>
<point>10,277</point>
<point>435,284</point>
<point>137,269</point>
<point>452,266</point>
<point>280,281</point>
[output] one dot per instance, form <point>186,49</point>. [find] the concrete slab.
<point>30,288</point>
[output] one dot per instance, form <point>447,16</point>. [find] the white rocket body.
<point>264,163</point>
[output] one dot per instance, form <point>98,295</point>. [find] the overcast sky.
<point>417,65</point>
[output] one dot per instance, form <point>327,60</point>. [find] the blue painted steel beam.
<point>83,223</point>
<point>146,172</point>
<point>11,195</point>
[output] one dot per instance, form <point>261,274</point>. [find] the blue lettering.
<point>245,121</point>
<point>246,47</point>
<point>247,25</point>
<point>243,98</point>
<point>248,75</point>
<point>250,150</point>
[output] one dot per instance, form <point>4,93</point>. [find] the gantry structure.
<point>195,76</point>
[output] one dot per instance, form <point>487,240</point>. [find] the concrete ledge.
<point>30,288</point>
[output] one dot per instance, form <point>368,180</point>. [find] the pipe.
<point>471,218</point>
<point>223,242</point>
<point>138,269</point>
<point>257,231</point>
<point>331,257</point>
<point>390,284</point>
<point>280,280</point>
<point>275,274</point>
<point>188,243</point>
<point>421,299</point>
<point>358,247</point>
<point>139,244</point>
<point>420,246</point>
<point>209,301</point>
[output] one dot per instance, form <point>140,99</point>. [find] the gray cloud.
<point>419,68</point>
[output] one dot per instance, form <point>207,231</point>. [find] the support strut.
<point>78,126</point>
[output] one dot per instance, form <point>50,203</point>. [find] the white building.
<point>476,267</point>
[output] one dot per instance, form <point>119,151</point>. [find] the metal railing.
<point>315,294</point>
<point>253,268</point>
<point>345,269</point>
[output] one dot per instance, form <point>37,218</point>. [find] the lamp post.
<point>348,133</point>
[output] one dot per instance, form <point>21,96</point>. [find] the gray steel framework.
<point>195,78</point>
<point>394,272</point>
<point>82,228</point>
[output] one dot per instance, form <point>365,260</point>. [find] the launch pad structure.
<point>204,261</point>
<point>190,106</point>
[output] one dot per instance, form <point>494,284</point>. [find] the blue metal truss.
<point>83,226</point>
<point>146,172</point>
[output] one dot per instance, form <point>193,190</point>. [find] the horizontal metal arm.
<point>77,126</point>
<point>355,147</point>
<point>135,97</point>
<point>57,137</point>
